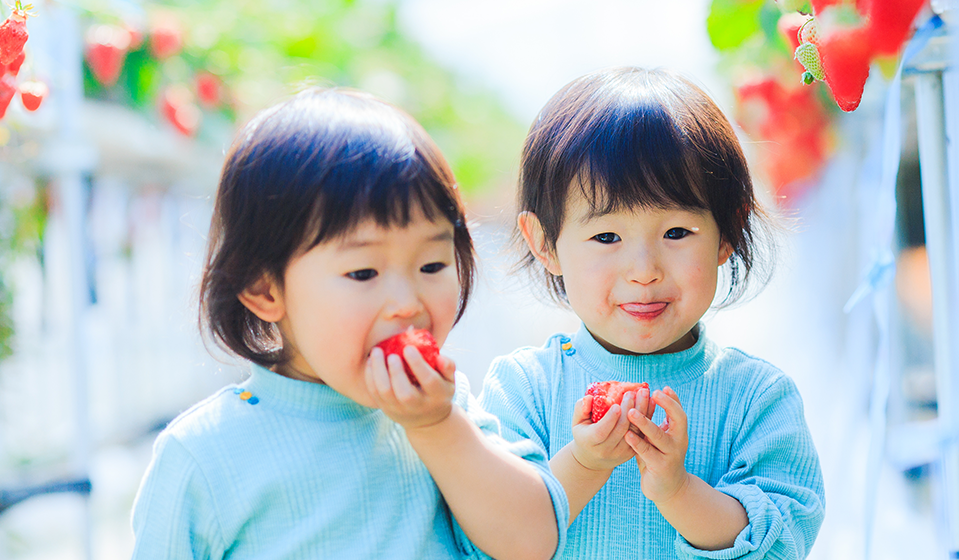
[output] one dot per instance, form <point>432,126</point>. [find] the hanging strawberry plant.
<point>777,54</point>
<point>13,39</point>
<point>201,68</point>
<point>13,33</point>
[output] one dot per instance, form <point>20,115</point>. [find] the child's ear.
<point>725,251</point>
<point>264,299</point>
<point>532,232</point>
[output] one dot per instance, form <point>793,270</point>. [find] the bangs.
<point>388,194</point>
<point>634,156</point>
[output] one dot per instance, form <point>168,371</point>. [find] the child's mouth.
<point>645,311</point>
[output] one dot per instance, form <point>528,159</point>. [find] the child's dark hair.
<point>307,171</point>
<point>635,138</point>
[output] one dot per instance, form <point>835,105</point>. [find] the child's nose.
<point>643,267</point>
<point>404,300</point>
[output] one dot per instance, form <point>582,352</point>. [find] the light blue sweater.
<point>279,468</point>
<point>747,438</point>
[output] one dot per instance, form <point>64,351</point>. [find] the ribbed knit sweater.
<point>280,468</point>
<point>748,438</point>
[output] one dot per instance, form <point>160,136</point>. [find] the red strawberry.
<point>106,48</point>
<point>607,393</point>
<point>421,339</point>
<point>166,38</point>
<point>8,88</point>
<point>32,93</point>
<point>208,89</point>
<point>889,22</point>
<point>14,67</point>
<point>176,104</point>
<point>13,33</point>
<point>846,55</point>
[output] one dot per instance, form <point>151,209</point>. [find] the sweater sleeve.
<point>518,398</point>
<point>775,474</point>
<point>523,448</point>
<point>174,514</point>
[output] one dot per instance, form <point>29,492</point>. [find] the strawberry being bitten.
<point>607,393</point>
<point>422,339</point>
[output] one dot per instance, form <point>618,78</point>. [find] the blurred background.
<point>106,193</point>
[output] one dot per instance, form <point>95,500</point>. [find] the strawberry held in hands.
<point>421,339</point>
<point>13,33</point>
<point>607,393</point>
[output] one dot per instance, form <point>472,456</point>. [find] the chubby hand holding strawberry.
<point>600,445</point>
<point>704,516</point>
<point>410,390</point>
<point>661,451</point>
<point>585,464</point>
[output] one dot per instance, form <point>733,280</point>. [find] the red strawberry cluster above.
<point>107,46</point>
<point>607,393</point>
<point>842,38</point>
<point>422,339</point>
<point>13,33</point>
<point>13,38</point>
<point>795,127</point>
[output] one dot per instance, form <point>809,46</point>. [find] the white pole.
<point>69,180</point>
<point>940,246</point>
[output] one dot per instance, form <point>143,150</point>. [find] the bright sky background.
<point>525,50</point>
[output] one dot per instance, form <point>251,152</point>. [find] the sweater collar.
<point>658,370</point>
<point>301,398</point>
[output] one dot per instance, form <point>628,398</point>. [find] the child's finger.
<point>607,423</point>
<point>583,409</point>
<point>675,415</point>
<point>402,387</point>
<point>650,404</point>
<point>638,444</point>
<point>653,434</point>
<point>378,378</point>
<point>447,367</point>
<point>642,404</point>
<point>422,371</point>
<point>622,425</point>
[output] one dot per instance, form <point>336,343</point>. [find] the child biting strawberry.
<point>337,224</point>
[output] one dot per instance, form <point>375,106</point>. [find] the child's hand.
<point>645,405</point>
<point>407,405</point>
<point>661,454</point>
<point>601,446</point>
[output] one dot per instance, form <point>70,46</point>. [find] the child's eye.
<point>677,233</point>
<point>362,275</point>
<point>432,268</point>
<point>606,238</point>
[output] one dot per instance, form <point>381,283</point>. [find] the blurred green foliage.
<point>22,223</point>
<point>264,51</point>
